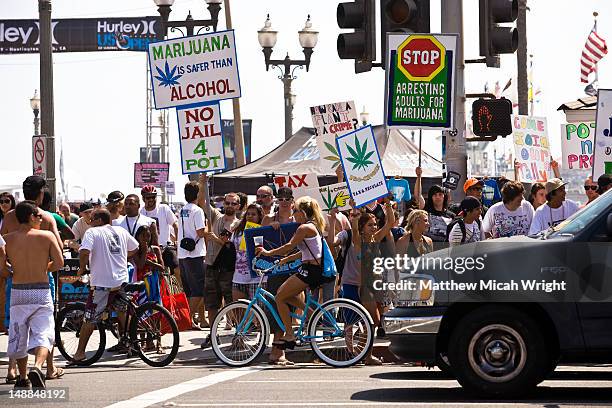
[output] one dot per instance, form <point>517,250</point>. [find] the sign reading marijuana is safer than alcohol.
<point>420,81</point>
<point>194,70</point>
<point>363,169</point>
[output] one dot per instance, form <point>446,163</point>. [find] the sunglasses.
<point>285,199</point>
<point>231,203</point>
<point>264,195</point>
<point>6,201</point>
<point>586,188</point>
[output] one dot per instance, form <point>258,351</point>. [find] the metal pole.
<point>456,154</point>
<point>521,58</point>
<point>288,107</point>
<point>420,143</point>
<point>46,92</point>
<point>36,122</point>
<point>238,138</point>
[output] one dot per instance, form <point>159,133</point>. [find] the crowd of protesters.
<point>200,244</point>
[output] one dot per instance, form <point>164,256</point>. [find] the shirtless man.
<point>33,189</point>
<point>32,327</point>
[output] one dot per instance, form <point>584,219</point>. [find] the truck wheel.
<point>498,351</point>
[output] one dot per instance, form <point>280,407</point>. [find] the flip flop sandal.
<point>57,374</point>
<point>37,378</point>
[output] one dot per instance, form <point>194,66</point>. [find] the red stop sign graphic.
<point>421,58</point>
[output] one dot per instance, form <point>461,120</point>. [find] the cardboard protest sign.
<point>420,81</point>
<point>577,140</point>
<point>194,70</point>
<point>271,239</point>
<point>330,121</point>
<point>531,147</point>
<point>332,196</point>
<point>201,138</point>
<point>247,226</point>
<point>363,169</point>
<point>299,183</point>
<point>602,162</point>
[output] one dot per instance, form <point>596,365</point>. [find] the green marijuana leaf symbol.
<point>167,78</point>
<point>359,156</point>
<point>329,203</point>
<point>334,157</point>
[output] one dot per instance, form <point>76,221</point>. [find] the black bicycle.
<point>150,331</point>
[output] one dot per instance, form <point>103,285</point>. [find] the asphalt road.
<point>190,383</point>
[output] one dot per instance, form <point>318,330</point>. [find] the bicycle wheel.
<point>154,334</point>
<point>67,333</point>
<point>341,333</point>
<point>237,338</point>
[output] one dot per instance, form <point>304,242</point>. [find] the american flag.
<point>594,50</point>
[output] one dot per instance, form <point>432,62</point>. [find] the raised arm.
<point>389,222</point>
<point>418,189</point>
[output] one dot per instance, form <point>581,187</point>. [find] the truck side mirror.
<point>609,224</point>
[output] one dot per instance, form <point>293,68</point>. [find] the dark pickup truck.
<point>525,305</point>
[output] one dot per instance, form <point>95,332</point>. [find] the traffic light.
<point>492,117</point>
<point>402,16</point>
<point>359,45</point>
<point>496,39</point>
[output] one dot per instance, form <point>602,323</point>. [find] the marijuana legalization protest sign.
<point>300,184</point>
<point>420,80</point>
<point>602,163</point>
<point>201,138</point>
<point>531,147</point>
<point>577,141</point>
<point>332,196</point>
<point>194,70</point>
<point>330,121</point>
<point>363,169</point>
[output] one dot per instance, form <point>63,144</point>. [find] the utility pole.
<point>456,154</point>
<point>521,59</point>
<point>46,93</point>
<point>238,138</point>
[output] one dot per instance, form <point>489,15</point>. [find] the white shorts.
<point>32,323</point>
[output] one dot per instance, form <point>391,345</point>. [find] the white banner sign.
<point>332,120</point>
<point>300,184</point>
<point>363,169</point>
<point>194,70</point>
<point>39,155</point>
<point>602,164</point>
<point>332,196</point>
<point>577,142</point>
<point>201,139</point>
<point>531,147</point>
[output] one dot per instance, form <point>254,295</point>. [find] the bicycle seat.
<point>134,287</point>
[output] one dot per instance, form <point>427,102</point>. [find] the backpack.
<point>461,222</point>
<point>341,259</point>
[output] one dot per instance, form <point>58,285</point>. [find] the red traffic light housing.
<point>492,117</point>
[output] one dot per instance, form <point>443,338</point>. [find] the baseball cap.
<point>284,192</point>
<point>469,203</point>
<point>114,197</point>
<point>603,181</point>
<point>87,205</point>
<point>471,182</point>
<point>33,183</point>
<point>553,184</point>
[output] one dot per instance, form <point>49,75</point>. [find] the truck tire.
<point>498,351</point>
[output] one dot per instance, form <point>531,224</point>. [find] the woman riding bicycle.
<point>308,240</point>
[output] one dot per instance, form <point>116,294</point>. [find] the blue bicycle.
<point>340,331</point>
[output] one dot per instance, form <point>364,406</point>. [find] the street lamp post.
<point>364,116</point>
<point>308,40</point>
<point>164,9</point>
<point>35,105</point>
